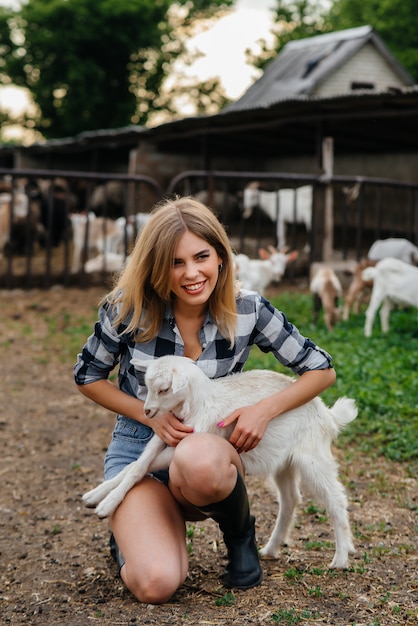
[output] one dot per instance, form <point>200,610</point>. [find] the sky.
<point>223,47</point>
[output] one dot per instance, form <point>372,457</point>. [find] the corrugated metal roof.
<point>305,63</point>
<point>362,119</point>
<point>105,137</point>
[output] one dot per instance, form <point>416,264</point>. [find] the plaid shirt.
<point>259,323</point>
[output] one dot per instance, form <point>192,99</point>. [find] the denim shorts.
<point>129,439</point>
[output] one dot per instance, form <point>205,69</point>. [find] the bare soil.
<point>55,563</point>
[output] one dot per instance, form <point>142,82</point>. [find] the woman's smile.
<point>195,287</point>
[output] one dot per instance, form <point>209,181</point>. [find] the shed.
<point>333,64</point>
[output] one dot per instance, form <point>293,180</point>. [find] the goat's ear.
<point>292,256</point>
<point>178,381</point>
<point>263,254</point>
<point>140,364</point>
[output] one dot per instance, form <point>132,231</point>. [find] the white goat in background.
<point>394,282</point>
<point>296,445</point>
<point>257,274</point>
<point>284,206</point>
<point>326,289</point>
<point>107,236</point>
<point>395,247</point>
<point>95,233</point>
<point>109,262</point>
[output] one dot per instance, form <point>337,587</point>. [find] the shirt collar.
<point>169,316</point>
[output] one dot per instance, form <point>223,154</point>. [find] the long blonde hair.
<point>143,287</point>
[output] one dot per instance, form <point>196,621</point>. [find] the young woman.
<point>177,295</point>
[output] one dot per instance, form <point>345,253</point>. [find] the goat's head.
<point>251,198</point>
<point>167,384</point>
<point>278,260</point>
<point>241,263</point>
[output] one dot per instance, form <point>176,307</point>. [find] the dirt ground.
<point>55,564</point>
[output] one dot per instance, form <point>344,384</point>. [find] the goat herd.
<point>389,270</point>
<point>99,242</point>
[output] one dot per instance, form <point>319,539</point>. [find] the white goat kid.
<point>257,274</point>
<point>284,206</point>
<point>296,445</point>
<point>394,282</point>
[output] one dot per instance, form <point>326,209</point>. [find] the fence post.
<point>328,165</point>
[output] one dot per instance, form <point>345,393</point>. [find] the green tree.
<point>293,19</point>
<point>93,64</point>
<point>395,21</point>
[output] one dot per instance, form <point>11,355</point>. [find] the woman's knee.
<point>204,462</point>
<point>150,532</point>
<point>155,584</point>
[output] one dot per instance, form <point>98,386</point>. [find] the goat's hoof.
<point>104,510</point>
<point>88,500</point>
<point>266,553</point>
<point>338,564</point>
<point>89,505</point>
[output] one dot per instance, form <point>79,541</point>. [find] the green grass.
<point>380,373</point>
<point>72,332</point>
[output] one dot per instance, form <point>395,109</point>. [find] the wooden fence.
<point>349,213</point>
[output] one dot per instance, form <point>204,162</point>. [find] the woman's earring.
<point>220,268</point>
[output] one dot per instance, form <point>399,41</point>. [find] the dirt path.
<point>56,568</point>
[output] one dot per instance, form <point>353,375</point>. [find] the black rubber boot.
<point>115,552</point>
<point>238,527</point>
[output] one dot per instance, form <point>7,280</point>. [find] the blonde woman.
<point>177,295</point>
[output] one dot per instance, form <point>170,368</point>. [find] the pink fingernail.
<point>220,424</point>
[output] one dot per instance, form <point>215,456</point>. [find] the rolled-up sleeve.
<point>100,354</point>
<point>274,333</point>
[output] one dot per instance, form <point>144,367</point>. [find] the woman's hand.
<point>251,421</point>
<point>170,428</point>
<point>251,424</point>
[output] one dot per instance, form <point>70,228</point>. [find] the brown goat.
<point>358,288</point>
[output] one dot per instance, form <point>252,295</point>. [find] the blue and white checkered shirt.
<point>259,323</point>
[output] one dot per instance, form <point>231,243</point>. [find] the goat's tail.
<point>344,411</point>
<point>369,273</point>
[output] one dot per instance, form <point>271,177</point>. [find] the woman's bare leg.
<point>207,472</point>
<point>149,529</point>
<point>204,469</point>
